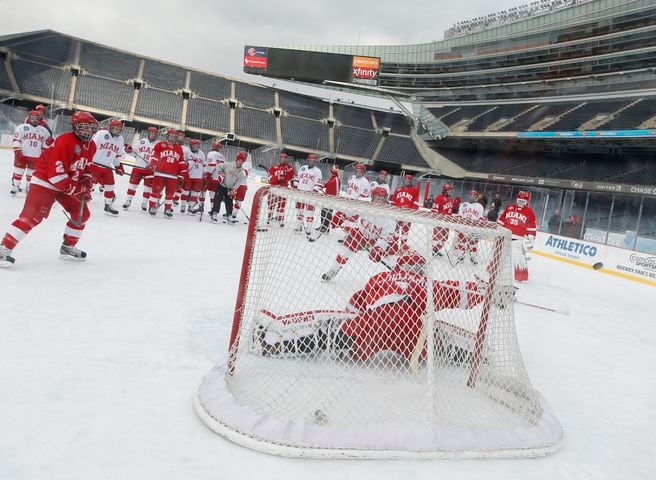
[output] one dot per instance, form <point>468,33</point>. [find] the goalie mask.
<point>411,262</point>
<point>523,199</point>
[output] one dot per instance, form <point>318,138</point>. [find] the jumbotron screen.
<point>311,67</point>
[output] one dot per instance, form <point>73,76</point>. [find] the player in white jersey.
<point>30,139</point>
<point>142,170</point>
<point>381,181</point>
<point>110,150</point>
<point>308,179</point>
<point>181,140</point>
<point>211,183</point>
<point>194,183</point>
<point>374,234</point>
<point>240,194</point>
<point>357,187</point>
<point>474,211</point>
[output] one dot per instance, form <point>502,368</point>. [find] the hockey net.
<point>383,358</point>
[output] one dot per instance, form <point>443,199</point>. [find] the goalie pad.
<point>301,333</point>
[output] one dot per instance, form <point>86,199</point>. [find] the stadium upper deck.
<point>584,48</point>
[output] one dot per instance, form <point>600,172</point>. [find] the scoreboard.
<point>311,67</point>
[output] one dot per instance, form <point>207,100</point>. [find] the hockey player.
<point>381,181</point>
<point>357,188</point>
<point>280,175</point>
<point>474,211</point>
<point>41,110</point>
<point>375,234</point>
<point>62,175</point>
<point>405,196</point>
<point>231,177</point>
<point>194,181</point>
<point>170,168</point>
<point>240,196</point>
<point>110,151</point>
<point>387,314</point>
<point>309,179</point>
<point>181,139</point>
<point>214,159</point>
<point>332,188</point>
<point>442,205</point>
<point>141,169</point>
<point>519,218</point>
<point>29,141</point>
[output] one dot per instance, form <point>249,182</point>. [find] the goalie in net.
<point>387,314</point>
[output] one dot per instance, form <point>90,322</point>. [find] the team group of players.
<point>66,169</point>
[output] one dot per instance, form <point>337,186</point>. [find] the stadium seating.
<point>49,48</point>
<point>400,150</point>
<point>462,113</point>
<point>500,112</point>
<point>526,121</point>
<point>208,114</point>
<point>643,176</point>
<point>92,91</point>
<point>210,86</point>
<point>633,116</point>
<point>396,122</point>
<point>302,106</point>
<point>255,123</point>
<point>353,116</point>
<point>4,80</point>
<point>41,80</point>
<point>252,96</point>
<point>108,63</point>
<point>164,76</point>
<point>305,133</point>
<point>159,104</point>
<point>574,120</point>
<point>356,141</point>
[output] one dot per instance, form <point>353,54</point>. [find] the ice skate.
<point>6,260</point>
<point>144,205</point>
<point>329,275</point>
<point>168,213</point>
<point>127,204</point>
<point>69,252</point>
<point>14,189</point>
<point>110,211</point>
<point>152,211</point>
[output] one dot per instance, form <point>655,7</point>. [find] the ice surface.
<point>99,360</point>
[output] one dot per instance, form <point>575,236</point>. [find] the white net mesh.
<point>367,330</point>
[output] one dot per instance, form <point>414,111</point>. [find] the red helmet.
<point>523,198</point>
<point>473,195</point>
<point>407,179</point>
<point>152,133</point>
<point>411,261</point>
<point>378,195</point>
<point>40,108</point>
<point>171,135</point>
<point>33,117</point>
<point>115,127</point>
<point>241,156</point>
<point>282,158</point>
<point>334,170</point>
<point>360,169</point>
<point>216,145</point>
<point>84,125</point>
<point>194,144</point>
<point>446,188</point>
<point>382,173</point>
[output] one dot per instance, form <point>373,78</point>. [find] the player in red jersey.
<point>442,205</point>
<point>62,175</point>
<point>279,175</point>
<point>406,196</point>
<point>385,315</point>
<point>331,188</point>
<point>519,218</point>
<point>170,168</point>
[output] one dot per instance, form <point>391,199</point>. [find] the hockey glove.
<point>232,193</point>
<point>120,170</point>
<point>528,243</point>
<point>49,141</point>
<point>128,148</point>
<point>18,155</point>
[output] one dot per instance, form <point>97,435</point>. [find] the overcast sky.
<point>210,35</point>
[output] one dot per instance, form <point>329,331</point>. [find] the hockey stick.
<point>419,346</point>
<point>542,307</point>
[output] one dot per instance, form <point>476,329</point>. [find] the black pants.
<point>222,196</point>
<point>326,217</point>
